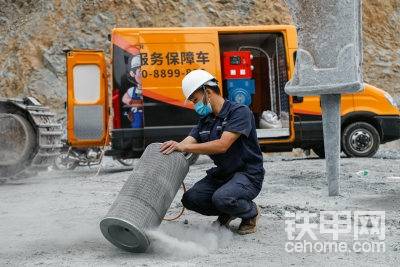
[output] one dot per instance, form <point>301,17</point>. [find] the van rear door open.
<point>87,98</point>
<point>271,63</point>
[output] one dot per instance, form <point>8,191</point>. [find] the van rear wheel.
<point>360,139</point>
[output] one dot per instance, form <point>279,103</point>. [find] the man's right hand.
<point>171,146</point>
<point>175,146</point>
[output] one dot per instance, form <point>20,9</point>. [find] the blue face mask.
<point>202,109</point>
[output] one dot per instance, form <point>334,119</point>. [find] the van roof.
<point>222,29</point>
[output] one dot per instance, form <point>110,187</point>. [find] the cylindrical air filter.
<point>144,199</point>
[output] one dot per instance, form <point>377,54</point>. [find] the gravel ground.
<point>52,219</point>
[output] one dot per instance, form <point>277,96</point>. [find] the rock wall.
<point>34,34</point>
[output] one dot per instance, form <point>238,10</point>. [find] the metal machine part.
<point>144,199</point>
<point>17,139</point>
<point>237,73</point>
<point>328,63</point>
<point>329,56</point>
<point>72,157</point>
<point>237,65</point>
<point>240,90</point>
<point>271,74</point>
<point>30,137</point>
<point>331,131</point>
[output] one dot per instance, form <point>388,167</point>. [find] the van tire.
<point>360,139</point>
<point>319,150</point>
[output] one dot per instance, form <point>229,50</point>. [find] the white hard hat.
<point>135,61</point>
<point>193,80</point>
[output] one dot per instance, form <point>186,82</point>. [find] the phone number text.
<point>165,73</point>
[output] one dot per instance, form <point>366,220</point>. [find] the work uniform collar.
<point>224,110</point>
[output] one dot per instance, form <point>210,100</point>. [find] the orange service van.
<point>252,65</point>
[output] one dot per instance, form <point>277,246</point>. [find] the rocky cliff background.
<point>33,35</point>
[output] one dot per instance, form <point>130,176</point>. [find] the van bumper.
<point>390,126</point>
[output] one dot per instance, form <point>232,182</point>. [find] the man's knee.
<point>189,199</point>
<point>223,201</point>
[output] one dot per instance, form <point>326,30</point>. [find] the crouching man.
<point>226,132</point>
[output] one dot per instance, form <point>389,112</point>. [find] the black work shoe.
<point>223,220</point>
<point>249,226</point>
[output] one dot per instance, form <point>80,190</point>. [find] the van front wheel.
<point>360,139</point>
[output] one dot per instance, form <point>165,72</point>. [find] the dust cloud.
<point>188,241</point>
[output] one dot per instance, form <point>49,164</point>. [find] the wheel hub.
<point>361,140</point>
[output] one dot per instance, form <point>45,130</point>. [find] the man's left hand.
<point>171,146</point>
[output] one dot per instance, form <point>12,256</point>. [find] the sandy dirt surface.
<point>53,219</point>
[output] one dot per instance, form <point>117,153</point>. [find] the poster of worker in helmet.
<point>132,99</point>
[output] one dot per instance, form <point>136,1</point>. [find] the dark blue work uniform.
<point>230,187</point>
